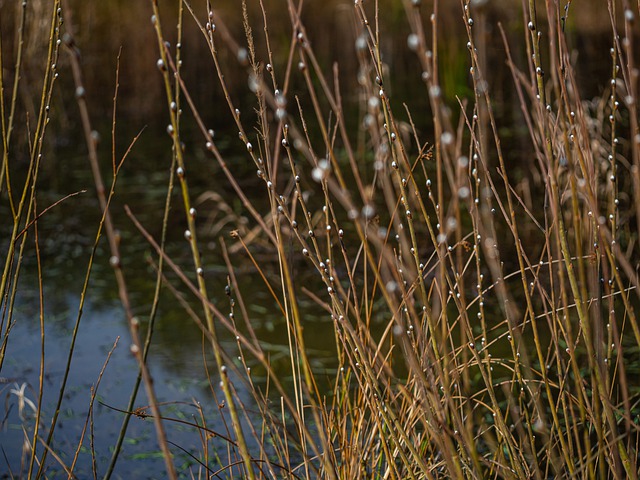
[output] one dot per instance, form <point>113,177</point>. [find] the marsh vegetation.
<point>365,239</point>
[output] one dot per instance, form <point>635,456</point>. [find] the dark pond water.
<point>176,357</point>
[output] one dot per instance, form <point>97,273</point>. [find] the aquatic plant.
<point>481,299</point>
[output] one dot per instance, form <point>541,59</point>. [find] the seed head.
<point>628,15</point>
<point>413,42</point>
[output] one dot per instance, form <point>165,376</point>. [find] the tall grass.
<point>482,301</point>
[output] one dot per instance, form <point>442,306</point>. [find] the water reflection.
<point>176,364</point>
